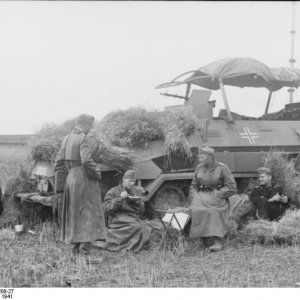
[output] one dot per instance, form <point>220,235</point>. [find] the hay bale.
<point>286,230</point>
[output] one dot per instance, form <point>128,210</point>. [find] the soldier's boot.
<point>75,248</point>
<point>217,245</point>
<point>84,248</point>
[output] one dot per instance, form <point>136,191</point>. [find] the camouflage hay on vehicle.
<point>178,123</point>
<point>45,150</point>
<point>136,127</point>
<point>176,142</point>
<point>104,152</point>
<point>284,174</point>
<point>286,230</point>
<point>46,144</point>
<point>131,127</point>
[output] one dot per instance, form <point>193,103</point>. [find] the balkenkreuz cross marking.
<point>250,136</point>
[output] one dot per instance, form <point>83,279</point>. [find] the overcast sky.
<point>60,59</point>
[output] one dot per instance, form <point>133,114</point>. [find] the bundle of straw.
<point>133,127</point>
<point>286,230</point>
<point>240,205</point>
<point>46,144</point>
<point>104,152</point>
<point>284,174</point>
<point>178,123</point>
<point>136,127</point>
<point>45,150</point>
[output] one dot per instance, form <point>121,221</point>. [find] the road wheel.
<point>170,196</point>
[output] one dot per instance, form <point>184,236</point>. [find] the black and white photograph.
<point>149,144</point>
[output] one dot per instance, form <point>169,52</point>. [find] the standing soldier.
<point>82,214</point>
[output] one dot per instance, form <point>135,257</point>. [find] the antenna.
<point>292,59</point>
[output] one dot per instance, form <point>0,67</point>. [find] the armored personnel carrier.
<point>240,142</point>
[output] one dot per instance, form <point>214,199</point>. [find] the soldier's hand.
<point>275,198</point>
<point>124,194</point>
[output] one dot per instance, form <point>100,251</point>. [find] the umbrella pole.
<point>268,102</point>
<point>188,88</point>
<point>230,119</point>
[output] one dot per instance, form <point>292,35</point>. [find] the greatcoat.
<point>210,190</point>
<point>126,228</point>
<point>82,214</point>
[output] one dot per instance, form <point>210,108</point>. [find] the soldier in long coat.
<point>123,210</point>
<point>82,214</point>
<point>212,185</point>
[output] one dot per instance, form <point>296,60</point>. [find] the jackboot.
<point>217,245</point>
<point>84,248</point>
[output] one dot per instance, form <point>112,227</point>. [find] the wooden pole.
<point>230,119</point>
<point>188,88</point>
<point>268,102</point>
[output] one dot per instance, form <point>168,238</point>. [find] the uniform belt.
<point>209,188</point>
<point>69,164</point>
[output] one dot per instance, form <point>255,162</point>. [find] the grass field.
<point>38,261</point>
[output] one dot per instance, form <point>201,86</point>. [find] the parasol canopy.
<point>287,77</point>
<point>240,72</point>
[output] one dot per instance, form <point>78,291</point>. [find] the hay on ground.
<point>286,230</point>
<point>240,205</point>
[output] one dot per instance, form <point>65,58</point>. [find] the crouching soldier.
<point>269,201</point>
<point>123,209</point>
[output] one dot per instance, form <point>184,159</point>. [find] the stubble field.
<point>38,260</point>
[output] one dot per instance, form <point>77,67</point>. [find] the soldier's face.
<point>129,183</point>
<point>87,128</point>
<point>264,179</point>
<point>205,159</point>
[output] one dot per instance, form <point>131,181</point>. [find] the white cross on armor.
<point>250,136</point>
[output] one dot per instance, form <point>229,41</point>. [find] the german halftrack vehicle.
<point>240,142</point>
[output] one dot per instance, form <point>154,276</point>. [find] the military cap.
<point>129,174</point>
<point>85,119</point>
<point>205,150</point>
<point>264,170</point>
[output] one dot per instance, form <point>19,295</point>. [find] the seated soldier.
<point>269,201</point>
<point>124,206</point>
